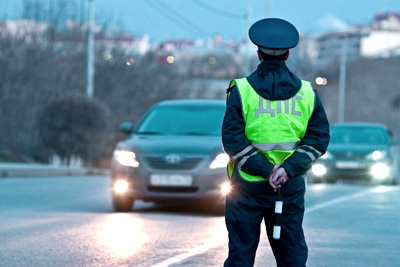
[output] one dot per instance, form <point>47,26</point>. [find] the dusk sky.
<point>201,19</point>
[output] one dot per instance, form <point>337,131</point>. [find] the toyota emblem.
<point>172,159</point>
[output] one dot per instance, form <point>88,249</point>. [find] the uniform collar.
<point>271,65</point>
<point>272,80</point>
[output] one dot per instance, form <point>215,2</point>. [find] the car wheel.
<point>318,181</point>
<point>331,181</point>
<point>392,180</point>
<point>313,179</point>
<point>395,176</point>
<point>122,203</point>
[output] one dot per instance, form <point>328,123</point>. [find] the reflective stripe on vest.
<point>274,127</point>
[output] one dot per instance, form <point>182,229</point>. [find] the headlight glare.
<point>318,169</point>
<point>225,188</point>
<point>377,155</point>
<point>327,155</point>
<point>121,186</point>
<point>380,171</point>
<point>220,161</point>
<point>126,158</point>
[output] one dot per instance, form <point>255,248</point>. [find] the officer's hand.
<point>274,169</point>
<point>277,178</point>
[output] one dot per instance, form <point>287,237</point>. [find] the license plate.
<point>348,165</point>
<point>170,180</point>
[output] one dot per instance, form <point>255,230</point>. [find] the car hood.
<point>355,148</point>
<point>182,144</point>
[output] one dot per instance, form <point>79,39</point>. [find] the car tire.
<point>392,180</point>
<point>395,176</point>
<point>122,203</point>
<point>330,180</point>
<point>318,181</point>
<point>313,179</point>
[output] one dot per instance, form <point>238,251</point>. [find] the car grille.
<point>160,163</point>
<point>348,156</point>
<point>165,189</point>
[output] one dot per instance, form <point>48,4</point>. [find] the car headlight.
<point>327,155</point>
<point>318,169</point>
<point>126,158</point>
<point>377,155</point>
<point>225,188</point>
<point>220,161</point>
<point>380,171</point>
<point>121,186</point>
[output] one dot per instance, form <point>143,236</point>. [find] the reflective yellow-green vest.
<point>274,127</point>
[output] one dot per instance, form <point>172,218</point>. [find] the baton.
<point>278,212</point>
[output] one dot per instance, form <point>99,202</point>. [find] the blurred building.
<point>216,58</point>
<point>380,38</point>
<point>387,22</point>
<point>75,34</point>
<point>332,45</point>
<point>25,29</point>
<point>216,44</point>
<point>128,43</point>
<point>384,37</point>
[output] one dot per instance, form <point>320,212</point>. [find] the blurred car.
<point>359,151</point>
<point>175,154</point>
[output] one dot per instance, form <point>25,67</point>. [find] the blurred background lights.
<point>212,60</point>
<point>170,59</point>
<point>122,234</point>
<point>109,57</point>
<point>130,61</point>
<point>321,81</point>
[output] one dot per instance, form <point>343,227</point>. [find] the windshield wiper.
<point>194,133</point>
<point>149,133</point>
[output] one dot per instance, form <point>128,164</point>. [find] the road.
<point>69,221</point>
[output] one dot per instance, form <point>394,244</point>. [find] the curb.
<point>43,170</point>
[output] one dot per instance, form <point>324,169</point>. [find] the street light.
<point>342,81</point>
<point>170,59</point>
<point>90,52</point>
<point>321,81</point>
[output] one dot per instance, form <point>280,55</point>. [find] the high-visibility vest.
<point>274,127</point>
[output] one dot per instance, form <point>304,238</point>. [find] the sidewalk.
<point>35,170</point>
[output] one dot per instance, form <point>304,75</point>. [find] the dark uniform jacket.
<point>273,80</point>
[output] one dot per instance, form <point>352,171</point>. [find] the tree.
<point>129,90</point>
<point>73,126</point>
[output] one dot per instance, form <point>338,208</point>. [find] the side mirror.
<point>395,142</point>
<point>126,127</point>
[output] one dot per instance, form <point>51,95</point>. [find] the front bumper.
<point>205,183</point>
<point>325,170</point>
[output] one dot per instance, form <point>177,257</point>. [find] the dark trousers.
<point>248,204</point>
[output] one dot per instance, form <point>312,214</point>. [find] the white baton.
<point>278,213</point>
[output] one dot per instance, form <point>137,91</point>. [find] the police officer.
<point>274,129</point>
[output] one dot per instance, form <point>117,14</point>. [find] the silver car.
<point>175,154</point>
<point>359,151</point>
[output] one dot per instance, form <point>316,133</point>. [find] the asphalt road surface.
<point>69,221</point>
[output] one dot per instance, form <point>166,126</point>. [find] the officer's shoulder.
<point>230,88</point>
<point>312,87</point>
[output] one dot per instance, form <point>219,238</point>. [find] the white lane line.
<point>349,197</point>
<point>192,252</point>
<point>205,247</point>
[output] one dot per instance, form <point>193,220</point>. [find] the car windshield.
<point>183,120</point>
<point>358,135</point>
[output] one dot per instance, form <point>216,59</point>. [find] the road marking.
<point>349,197</point>
<point>208,246</point>
<point>192,252</point>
